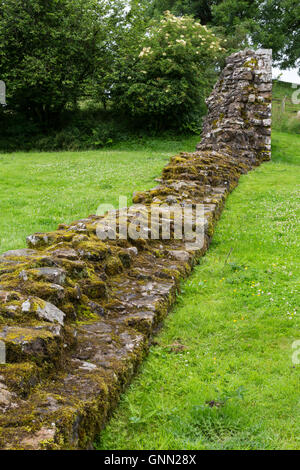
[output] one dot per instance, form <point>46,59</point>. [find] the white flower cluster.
<point>145,51</point>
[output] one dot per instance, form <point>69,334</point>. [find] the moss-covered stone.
<point>77,313</point>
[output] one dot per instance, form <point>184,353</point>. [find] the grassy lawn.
<point>229,340</point>
<point>40,190</point>
<point>221,375</point>
<point>284,110</point>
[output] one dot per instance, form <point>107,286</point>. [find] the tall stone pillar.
<point>238,122</point>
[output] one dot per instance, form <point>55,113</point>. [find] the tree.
<point>127,27</point>
<point>280,30</point>
<point>236,20</point>
<point>200,9</point>
<point>47,50</point>
<point>273,24</point>
<point>169,72</point>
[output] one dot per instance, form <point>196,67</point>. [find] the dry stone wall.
<point>239,108</point>
<point>77,314</point>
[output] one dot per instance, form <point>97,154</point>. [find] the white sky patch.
<point>291,76</point>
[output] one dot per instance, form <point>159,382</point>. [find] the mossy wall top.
<point>77,313</point>
<point>239,108</point>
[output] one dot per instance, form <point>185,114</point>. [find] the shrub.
<point>293,125</point>
<point>165,80</point>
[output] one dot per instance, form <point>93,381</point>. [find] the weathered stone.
<point>222,130</point>
<point>110,296</point>
<point>27,253</point>
<point>65,253</point>
<point>50,313</point>
<point>96,308</point>
<point>39,439</point>
<point>179,255</point>
<point>6,397</point>
<point>95,290</point>
<point>26,306</point>
<point>23,276</point>
<point>37,240</point>
<point>267,122</point>
<point>38,343</point>
<point>54,275</point>
<point>171,200</point>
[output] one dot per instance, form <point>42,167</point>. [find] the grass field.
<point>286,104</point>
<point>221,375</point>
<point>40,190</point>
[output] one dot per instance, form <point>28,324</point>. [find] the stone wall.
<point>239,108</point>
<point>77,314</point>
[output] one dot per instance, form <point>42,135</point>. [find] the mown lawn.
<point>229,339</point>
<point>221,375</point>
<point>40,190</point>
<point>285,107</point>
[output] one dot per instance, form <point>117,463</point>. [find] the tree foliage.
<point>201,9</point>
<point>273,24</point>
<point>128,56</point>
<point>280,30</point>
<point>48,49</point>
<point>126,29</point>
<point>167,76</point>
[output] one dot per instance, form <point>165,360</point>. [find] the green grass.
<point>229,339</point>
<point>284,117</point>
<point>40,190</point>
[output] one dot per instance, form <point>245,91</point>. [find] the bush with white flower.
<point>166,79</point>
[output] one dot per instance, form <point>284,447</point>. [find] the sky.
<point>291,75</point>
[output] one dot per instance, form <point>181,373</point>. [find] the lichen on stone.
<point>77,313</point>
